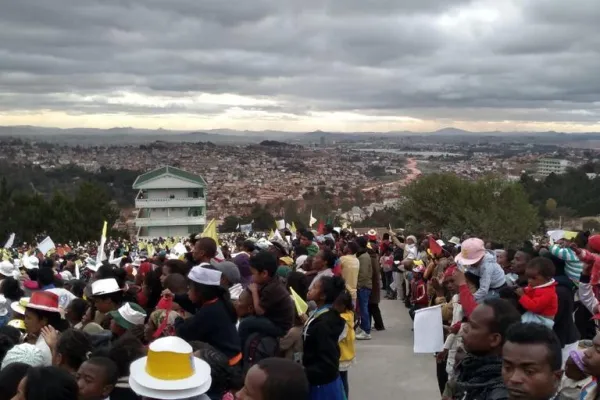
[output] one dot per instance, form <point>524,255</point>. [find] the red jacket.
<point>419,293</point>
<point>541,300</point>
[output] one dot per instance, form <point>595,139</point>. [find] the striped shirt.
<point>573,266</point>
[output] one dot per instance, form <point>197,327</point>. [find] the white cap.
<point>6,268</point>
<point>24,353</point>
<point>132,316</point>
<point>205,276</point>
<point>105,286</point>
<point>440,242</point>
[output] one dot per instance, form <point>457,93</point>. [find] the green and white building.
<point>171,202</point>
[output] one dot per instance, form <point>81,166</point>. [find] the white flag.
<point>46,245</point>
<point>429,330</point>
<point>281,224</point>
<point>312,219</point>
<point>11,240</point>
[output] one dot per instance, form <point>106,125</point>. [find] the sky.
<point>302,65</point>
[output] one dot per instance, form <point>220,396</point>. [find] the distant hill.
<point>134,136</point>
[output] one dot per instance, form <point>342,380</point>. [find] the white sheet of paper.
<point>429,330</point>
<point>46,245</point>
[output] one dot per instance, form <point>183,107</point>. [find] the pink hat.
<point>471,252</point>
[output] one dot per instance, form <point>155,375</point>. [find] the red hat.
<point>449,271</point>
<point>594,243</point>
<point>44,300</point>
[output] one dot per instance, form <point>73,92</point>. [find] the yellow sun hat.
<point>170,371</point>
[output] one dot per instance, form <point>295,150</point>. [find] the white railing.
<point>170,221</point>
<point>177,202</point>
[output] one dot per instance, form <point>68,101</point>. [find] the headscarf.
<point>164,321</point>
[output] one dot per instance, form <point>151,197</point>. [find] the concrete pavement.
<point>386,367</point>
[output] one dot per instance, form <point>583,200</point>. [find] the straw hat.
<point>44,301</point>
<point>19,306</point>
<point>17,323</point>
<point>170,371</point>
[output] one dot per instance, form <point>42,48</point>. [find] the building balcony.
<point>170,203</point>
<point>170,221</point>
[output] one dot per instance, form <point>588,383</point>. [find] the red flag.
<point>321,228</point>
<point>434,247</point>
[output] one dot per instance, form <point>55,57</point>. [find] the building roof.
<point>148,176</point>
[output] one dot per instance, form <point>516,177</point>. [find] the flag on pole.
<point>312,220</point>
<point>210,231</point>
<point>11,240</point>
<point>301,306</point>
<point>434,247</point>
<point>293,227</point>
<point>321,228</point>
<point>280,224</point>
<point>100,255</point>
<point>271,234</point>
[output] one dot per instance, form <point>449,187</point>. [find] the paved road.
<point>386,367</point>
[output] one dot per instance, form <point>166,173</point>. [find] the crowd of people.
<point>274,318</point>
<point>518,323</point>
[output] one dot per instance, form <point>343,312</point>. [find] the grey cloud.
<point>380,58</point>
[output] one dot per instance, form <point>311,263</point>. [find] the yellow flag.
<point>150,249</point>
<point>271,234</point>
<point>210,231</point>
<point>104,229</point>
<point>293,227</point>
<point>301,306</point>
<point>570,235</point>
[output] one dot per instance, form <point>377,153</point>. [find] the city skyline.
<point>302,66</point>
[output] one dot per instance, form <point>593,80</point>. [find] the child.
<point>257,346</point>
<point>539,298</point>
<point>96,378</point>
<point>343,304</point>
<point>419,298</point>
<point>214,322</point>
<point>275,378</point>
<point>290,345</point>
<point>129,317</point>
<point>273,306</point>
<point>575,377</point>
<point>588,256</point>
<point>322,331</point>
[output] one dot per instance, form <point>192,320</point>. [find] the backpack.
<point>257,348</point>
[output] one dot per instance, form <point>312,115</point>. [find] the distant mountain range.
<point>126,135</point>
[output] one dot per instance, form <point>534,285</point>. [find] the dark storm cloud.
<point>537,60</point>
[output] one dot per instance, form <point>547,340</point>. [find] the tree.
<point>230,224</point>
<point>551,206</point>
<point>489,208</point>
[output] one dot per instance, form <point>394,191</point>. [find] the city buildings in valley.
<point>547,166</point>
<point>171,202</point>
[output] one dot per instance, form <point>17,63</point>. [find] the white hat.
<point>129,315</point>
<point>19,306</point>
<point>3,306</point>
<point>90,264</point>
<point>105,286</point>
<point>170,371</point>
<point>454,240</point>
<point>205,276</point>
<point>24,353</point>
<point>6,268</point>
<point>301,260</point>
<point>440,242</point>
<point>66,275</point>
<point>31,262</point>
